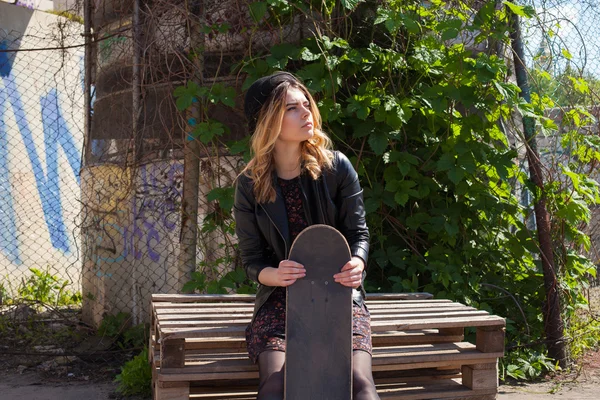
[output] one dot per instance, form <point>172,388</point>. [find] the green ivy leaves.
<point>522,11</point>
<point>190,93</point>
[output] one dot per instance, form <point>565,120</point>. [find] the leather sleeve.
<point>351,209</point>
<point>250,241</point>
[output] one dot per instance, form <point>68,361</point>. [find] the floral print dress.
<point>267,330</point>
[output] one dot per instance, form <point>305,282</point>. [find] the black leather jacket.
<point>334,199</point>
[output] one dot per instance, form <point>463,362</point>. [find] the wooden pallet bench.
<point>198,350</point>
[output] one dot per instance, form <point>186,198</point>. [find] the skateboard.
<point>318,362</point>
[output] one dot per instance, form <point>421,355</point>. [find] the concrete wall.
<point>41,137</point>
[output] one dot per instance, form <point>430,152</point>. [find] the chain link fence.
<point>563,55</point>
<point>41,141</point>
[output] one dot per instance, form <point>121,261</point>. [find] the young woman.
<point>294,180</point>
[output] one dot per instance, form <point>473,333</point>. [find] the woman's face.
<point>297,123</point>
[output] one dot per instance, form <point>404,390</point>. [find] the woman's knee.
<point>271,388</point>
<point>362,376</point>
<point>362,381</point>
<point>271,372</point>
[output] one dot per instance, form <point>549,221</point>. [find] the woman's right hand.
<point>287,273</point>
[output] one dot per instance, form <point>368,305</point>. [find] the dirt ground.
<point>32,386</point>
<point>583,384</point>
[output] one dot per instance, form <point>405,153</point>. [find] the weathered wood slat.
<point>235,371</point>
<point>382,339</point>
<point>403,302</point>
<point>399,323</point>
<point>446,389</point>
<point>249,306</point>
<point>376,326</point>
<point>202,319</point>
<point>199,298</point>
<point>192,305</point>
<point>384,359</point>
<point>212,312</point>
<point>475,321</point>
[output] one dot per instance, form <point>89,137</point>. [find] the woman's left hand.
<point>351,274</point>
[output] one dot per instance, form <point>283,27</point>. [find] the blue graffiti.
<point>5,60</point>
<point>8,224</point>
<point>48,184</point>
<point>28,3</point>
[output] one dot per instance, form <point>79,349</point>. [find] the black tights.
<point>271,372</point>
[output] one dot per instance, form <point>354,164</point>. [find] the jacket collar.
<point>277,213</point>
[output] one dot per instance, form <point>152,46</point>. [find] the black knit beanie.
<point>259,92</point>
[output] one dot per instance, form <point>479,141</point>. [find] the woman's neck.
<point>287,160</point>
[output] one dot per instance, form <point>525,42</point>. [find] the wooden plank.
<point>476,321</point>
<point>188,298</point>
<point>215,343</point>
<point>490,339</point>
<point>390,356</point>
<point>481,376</point>
<point>402,302</point>
<point>172,353</point>
<point>202,314</point>
<point>400,338</point>
<point>193,376</point>
<point>201,324</point>
<point>369,303</point>
<point>450,363</point>
<point>423,375</point>
<point>384,359</point>
<point>204,319</point>
<point>404,308</point>
<point>178,392</point>
<point>446,389</point>
<point>376,326</point>
<point>227,331</point>
<point>399,323</point>
<point>452,331</point>
<point>198,298</point>
<point>161,312</point>
<point>378,339</point>
<point>159,306</point>
<point>398,296</point>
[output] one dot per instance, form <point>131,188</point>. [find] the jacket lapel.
<point>278,215</point>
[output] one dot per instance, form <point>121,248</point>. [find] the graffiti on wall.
<point>124,223</point>
<point>34,141</point>
<point>156,204</point>
<point>36,4</point>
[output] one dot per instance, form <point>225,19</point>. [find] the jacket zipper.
<point>278,231</point>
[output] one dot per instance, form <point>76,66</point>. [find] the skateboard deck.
<point>318,363</point>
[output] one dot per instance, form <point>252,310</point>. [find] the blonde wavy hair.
<point>316,153</point>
